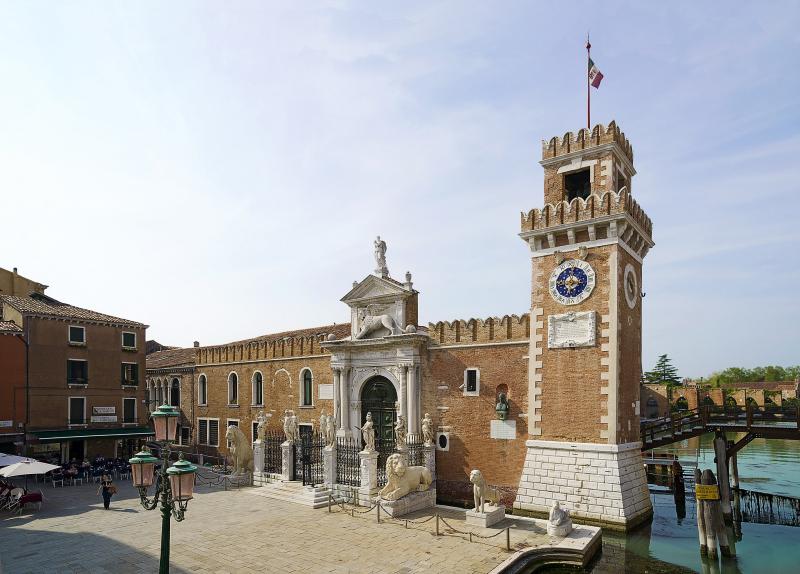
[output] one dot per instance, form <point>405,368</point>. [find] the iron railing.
<point>348,464</point>
<point>416,455</point>
<point>385,448</point>
<point>273,456</point>
<point>308,462</point>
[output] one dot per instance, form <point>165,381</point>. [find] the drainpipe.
<point>25,340</point>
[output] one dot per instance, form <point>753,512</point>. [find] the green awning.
<point>72,434</point>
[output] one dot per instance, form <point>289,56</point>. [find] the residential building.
<point>12,388</point>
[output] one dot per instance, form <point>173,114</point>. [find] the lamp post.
<point>174,485</point>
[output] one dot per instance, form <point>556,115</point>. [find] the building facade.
<point>12,388</point>
<point>544,402</point>
<point>83,381</point>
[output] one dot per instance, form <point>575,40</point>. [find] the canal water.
<point>670,544</point>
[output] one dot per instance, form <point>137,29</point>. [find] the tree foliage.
<point>664,373</point>
<point>770,373</point>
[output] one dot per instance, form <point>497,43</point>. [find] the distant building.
<point>12,387</point>
<point>83,379</point>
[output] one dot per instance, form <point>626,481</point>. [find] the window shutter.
<point>213,433</point>
<point>202,431</point>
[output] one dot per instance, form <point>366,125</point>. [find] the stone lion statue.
<point>482,492</point>
<point>402,479</point>
<point>372,323</point>
<point>241,450</point>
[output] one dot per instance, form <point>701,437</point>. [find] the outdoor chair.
<point>57,478</point>
<point>29,498</point>
<point>77,478</point>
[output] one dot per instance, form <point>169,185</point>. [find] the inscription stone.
<point>506,430</point>
<point>571,330</point>
<point>326,392</point>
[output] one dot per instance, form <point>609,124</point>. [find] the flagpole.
<point>588,87</point>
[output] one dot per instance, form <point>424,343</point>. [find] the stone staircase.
<point>294,491</point>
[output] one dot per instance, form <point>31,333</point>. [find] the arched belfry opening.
<point>379,397</point>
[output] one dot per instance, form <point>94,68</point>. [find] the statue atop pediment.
<point>380,258</point>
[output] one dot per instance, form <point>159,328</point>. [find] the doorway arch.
<point>379,397</point>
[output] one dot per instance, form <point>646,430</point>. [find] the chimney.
<point>15,271</point>
<point>196,344</point>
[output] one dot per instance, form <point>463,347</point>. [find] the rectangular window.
<point>128,410</point>
<point>77,410</point>
<point>128,340</point>
<point>577,184</point>
<point>472,382</point>
<point>130,374</point>
<point>202,431</point>
<point>77,372</point>
<point>185,435</point>
<point>77,335</point>
<point>213,432</point>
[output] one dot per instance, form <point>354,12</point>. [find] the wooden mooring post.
<point>721,458</point>
<point>710,524</point>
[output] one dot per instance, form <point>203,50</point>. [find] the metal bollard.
<point>379,513</point>
<point>406,523</point>
<point>329,502</point>
<point>508,538</point>
<point>437,525</point>
<point>470,536</point>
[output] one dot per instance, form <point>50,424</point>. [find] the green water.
<point>670,544</point>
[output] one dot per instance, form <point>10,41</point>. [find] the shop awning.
<point>74,434</point>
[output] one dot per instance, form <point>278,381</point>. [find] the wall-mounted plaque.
<point>571,330</point>
<point>104,410</point>
<point>104,418</point>
<point>504,430</point>
<point>326,392</point>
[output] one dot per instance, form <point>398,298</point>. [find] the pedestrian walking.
<point>107,489</point>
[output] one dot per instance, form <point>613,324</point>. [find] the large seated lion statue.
<point>402,479</point>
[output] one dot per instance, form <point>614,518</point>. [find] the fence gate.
<point>308,463</point>
<point>272,452</point>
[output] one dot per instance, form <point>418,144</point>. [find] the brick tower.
<point>587,245</point>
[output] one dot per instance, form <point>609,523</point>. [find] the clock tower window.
<point>577,184</point>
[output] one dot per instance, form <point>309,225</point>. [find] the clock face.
<point>572,282</point>
<point>631,286</point>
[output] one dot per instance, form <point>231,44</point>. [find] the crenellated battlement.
<point>584,139</point>
<point>596,205</point>
<point>270,348</point>
<point>493,329</point>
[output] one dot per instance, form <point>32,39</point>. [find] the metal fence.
<point>416,455</point>
<point>308,462</point>
<point>385,448</point>
<point>348,464</point>
<point>273,462</point>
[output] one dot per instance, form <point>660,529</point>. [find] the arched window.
<point>202,390</point>
<point>307,388</point>
<point>175,393</point>
<point>258,389</point>
<point>233,389</point>
<point>159,394</point>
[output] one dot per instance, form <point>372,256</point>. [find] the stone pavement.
<point>236,531</point>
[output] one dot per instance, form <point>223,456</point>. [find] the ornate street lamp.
<point>174,485</point>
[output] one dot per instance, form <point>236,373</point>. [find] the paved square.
<point>235,531</point>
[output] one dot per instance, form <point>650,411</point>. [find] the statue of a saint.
<point>287,425</point>
<point>427,430</point>
<point>330,432</point>
<point>400,433</point>
<point>502,406</point>
<point>380,258</point>
<point>323,426</point>
<point>261,429</point>
<point>368,432</point>
<point>294,428</point>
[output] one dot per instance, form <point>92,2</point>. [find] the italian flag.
<point>595,75</point>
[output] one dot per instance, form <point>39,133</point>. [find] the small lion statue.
<point>482,492</point>
<point>241,450</point>
<point>402,479</point>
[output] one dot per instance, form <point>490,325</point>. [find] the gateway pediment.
<point>381,306</point>
<point>376,289</point>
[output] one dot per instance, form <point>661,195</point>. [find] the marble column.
<point>413,391</point>
<point>344,398</point>
<point>403,392</point>
<point>337,400</point>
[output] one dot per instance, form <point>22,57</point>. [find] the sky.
<point>220,170</point>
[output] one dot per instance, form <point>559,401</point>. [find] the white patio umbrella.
<point>27,467</point>
<point>6,459</point>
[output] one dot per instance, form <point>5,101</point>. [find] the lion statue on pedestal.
<point>482,492</point>
<point>241,450</point>
<point>402,479</point>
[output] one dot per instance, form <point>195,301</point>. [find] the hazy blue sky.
<point>220,170</point>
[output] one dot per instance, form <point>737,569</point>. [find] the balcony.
<point>77,381</point>
<point>130,382</point>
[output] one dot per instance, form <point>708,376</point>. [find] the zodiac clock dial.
<point>572,282</point>
<point>631,286</point>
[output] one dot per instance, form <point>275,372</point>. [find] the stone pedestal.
<point>603,483</point>
<point>369,475</point>
<point>287,461</point>
<point>491,516</point>
<point>429,454</point>
<point>258,457</point>
<point>409,503</point>
<point>329,466</point>
<point>561,530</point>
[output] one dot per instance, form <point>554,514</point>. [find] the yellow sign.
<point>706,492</point>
